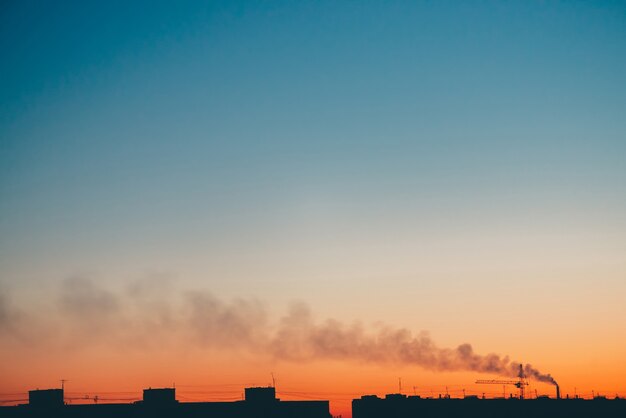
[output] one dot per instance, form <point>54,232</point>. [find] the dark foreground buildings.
<point>162,403</point>
<point>262,403</point>
<point>397,405</point>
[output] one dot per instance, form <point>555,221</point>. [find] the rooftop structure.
<point>261,394</point>
<point>159,397</point>
<point>45,398</point>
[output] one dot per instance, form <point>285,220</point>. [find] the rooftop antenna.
<point>399,385</point>
<point>273,380</point>
<point>63,388</point>
<point>414,391</point>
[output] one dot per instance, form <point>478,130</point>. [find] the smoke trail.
<point>531,372</point>
<point>12,319</point>
<point>240,323</point>
<point>299,338</point>
<point>198,318</point>
<point>6,313</point>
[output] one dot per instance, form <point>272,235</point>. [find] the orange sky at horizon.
<point>113,345</point>
<point>217,376</point>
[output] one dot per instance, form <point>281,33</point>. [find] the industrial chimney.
<point>558,392</point>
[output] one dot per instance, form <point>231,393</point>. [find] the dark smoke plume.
<point>299,338</point>
<point>150,317</point>
<point>533,373</point>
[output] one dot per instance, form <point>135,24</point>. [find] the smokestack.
<point>558,392</point>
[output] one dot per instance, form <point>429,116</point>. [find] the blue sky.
<point>275,148</point>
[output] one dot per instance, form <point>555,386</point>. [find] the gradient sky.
<point>456,167</point>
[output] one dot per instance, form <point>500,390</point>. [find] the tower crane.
<point>520,383</point>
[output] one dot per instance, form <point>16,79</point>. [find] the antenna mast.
<point>63,388</point>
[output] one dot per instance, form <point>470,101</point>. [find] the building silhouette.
<point>399,405</point>
<point>259,402</point>
<point>47,398</point>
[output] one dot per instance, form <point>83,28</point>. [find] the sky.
<point>171,172</point>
